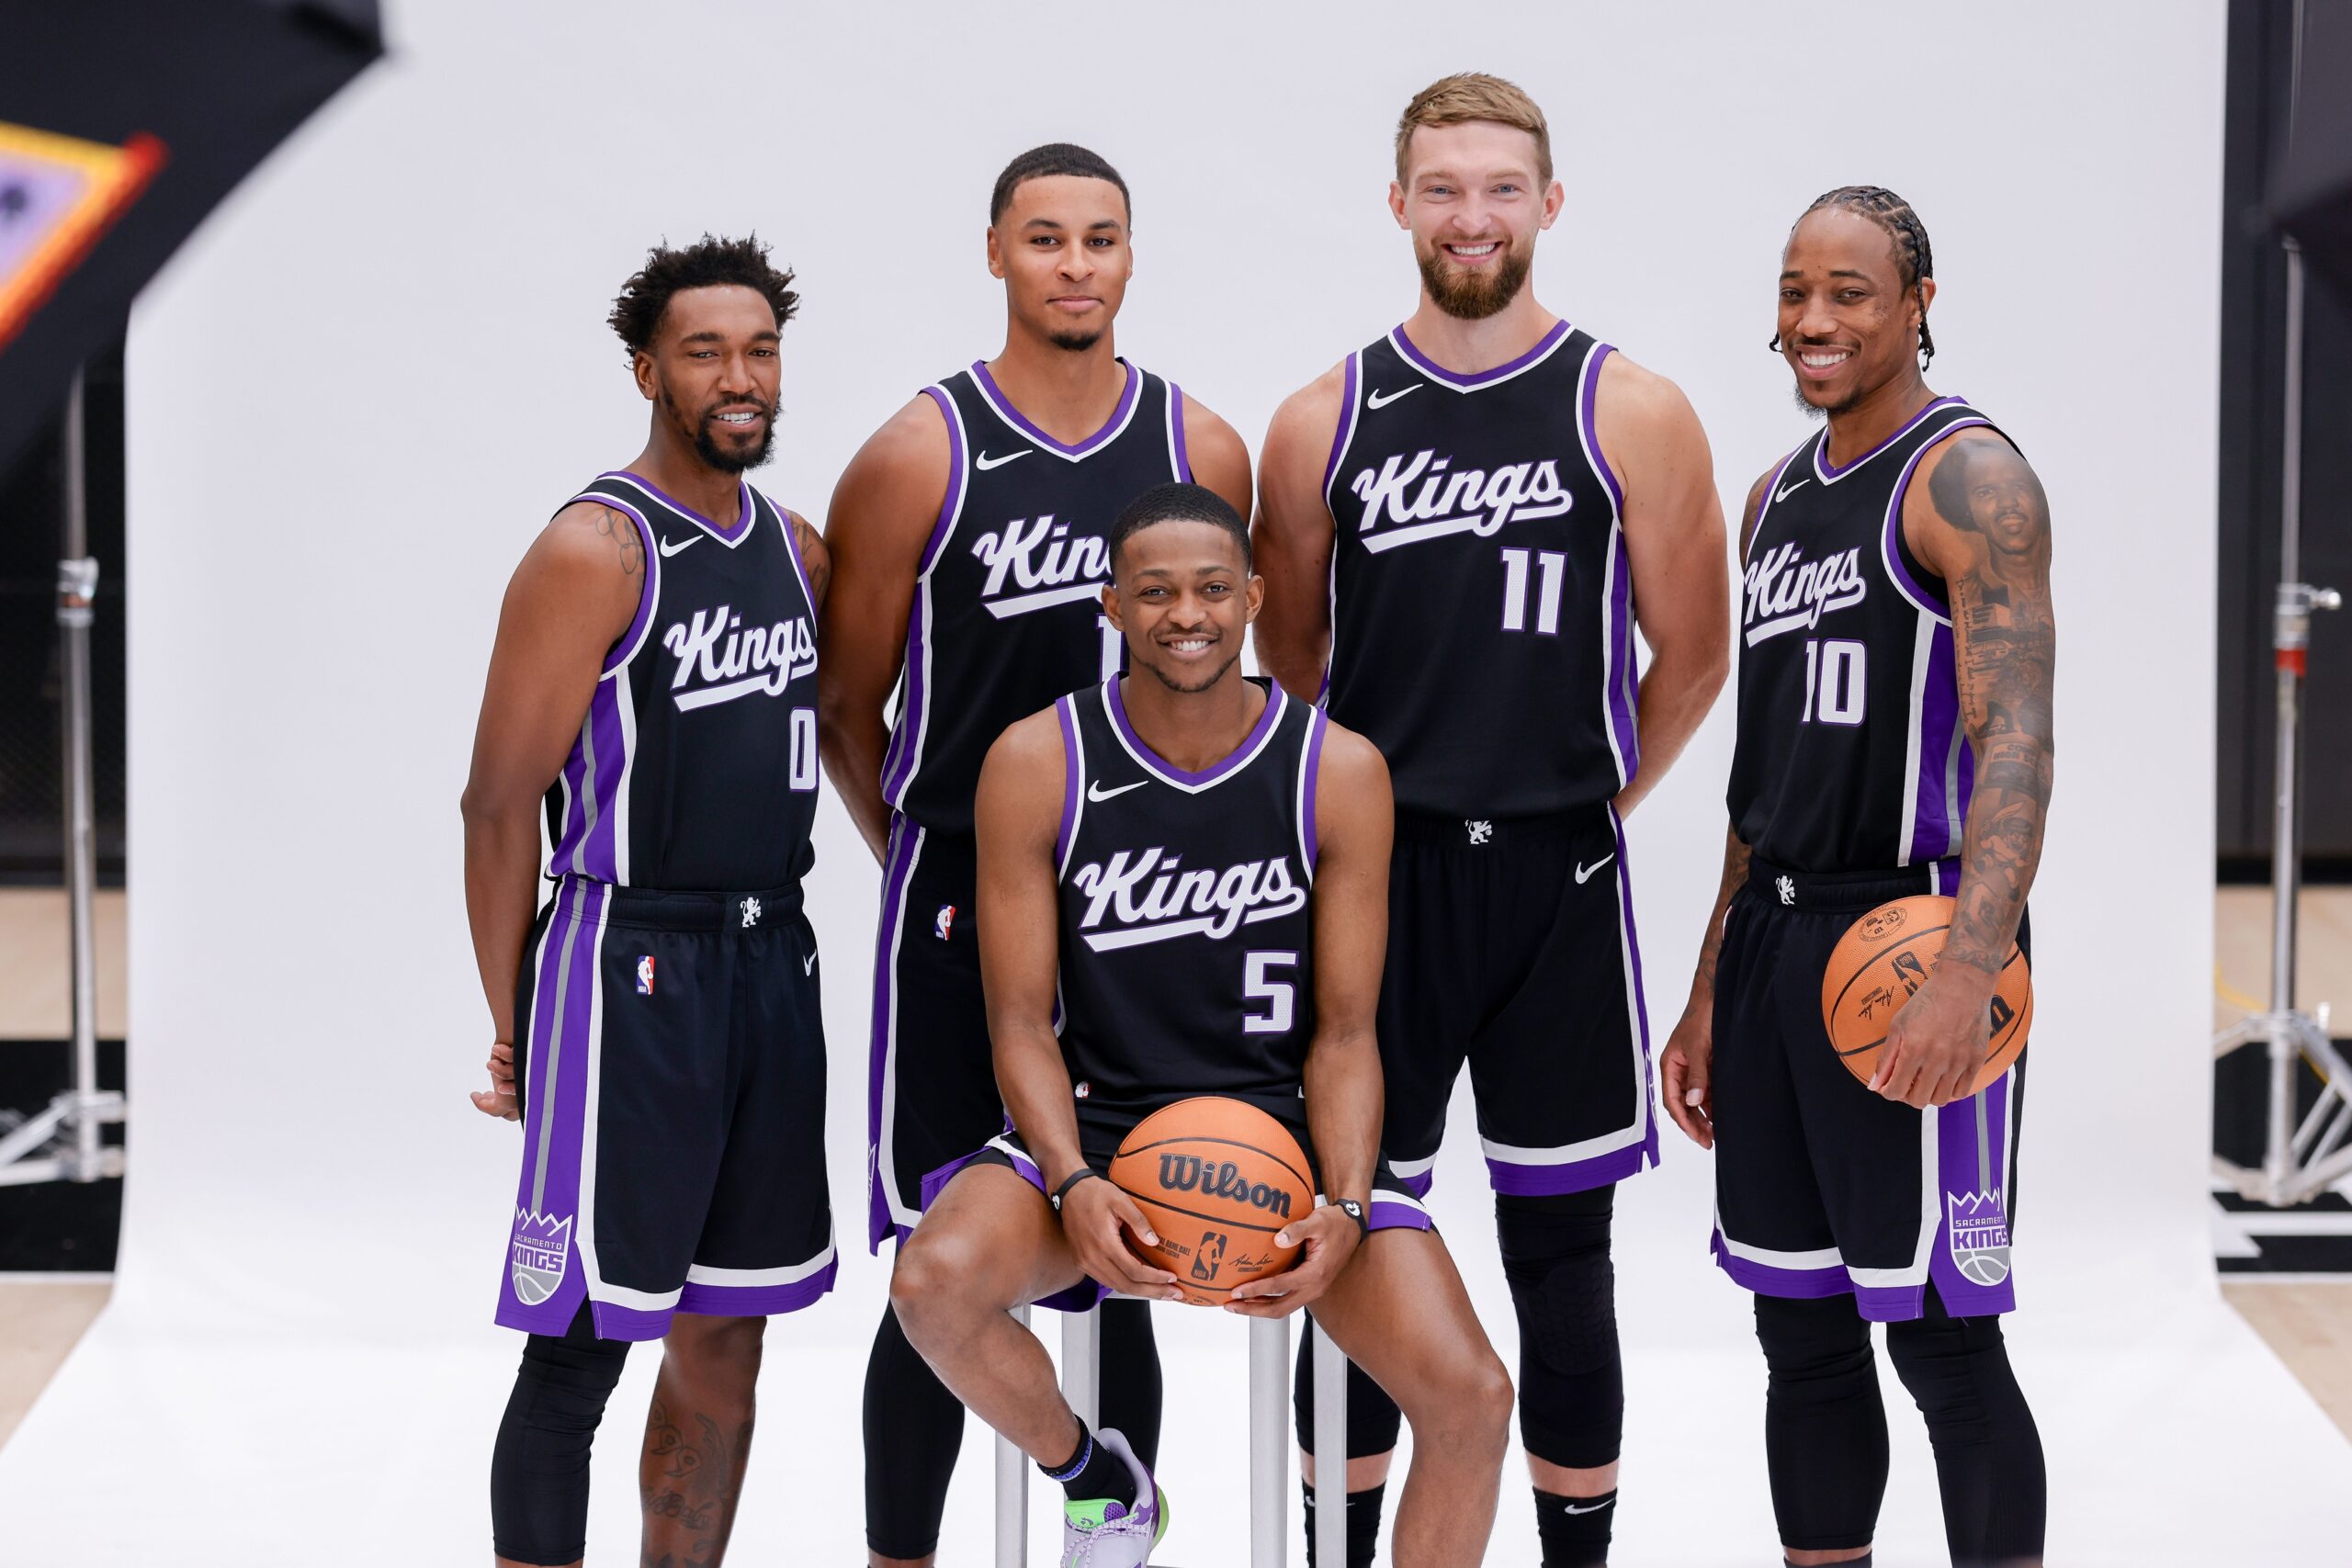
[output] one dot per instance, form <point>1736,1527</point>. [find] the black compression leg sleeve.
<point>539,1468</point>
<point>1824,1429</point>
<point>1571,1378</point>
<point>1374,1420</point>
<point>913,1429</point>
<point>1129,1378</point>
<point>1988,1453</point>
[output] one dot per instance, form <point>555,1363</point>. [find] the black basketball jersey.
<point>1851,753</point>
<point>1008,610</point>
<point>1187,963</point>
<point>1482,611</point>
<point>696,766</point>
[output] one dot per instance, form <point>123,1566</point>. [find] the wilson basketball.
<point>1883,958</point>
<point>1215,1178</point>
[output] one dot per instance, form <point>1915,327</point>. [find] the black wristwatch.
<point>1073,1179</point>
<point>1354,1210</point>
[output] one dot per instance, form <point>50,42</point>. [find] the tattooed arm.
<point>1686,1068</point>
<point>815,560</point>
<point>570,600</point>
<point>1977,516</point>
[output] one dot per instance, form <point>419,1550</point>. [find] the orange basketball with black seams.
<point>1217,1178</point>
<point>1880,963</point>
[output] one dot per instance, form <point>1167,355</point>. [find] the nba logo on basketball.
<point>1980,1236</point>
<point>644,974</point>
<point>542,1249</point>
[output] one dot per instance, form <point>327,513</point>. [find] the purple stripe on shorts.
<point>1588,400</point>
<point>1346,426</point>
<point>1765,1280</point>
<point>1970,1263</point>
<point>906,839</point>
<point>1065,711</point>
<point>1576,1175</point>
<point>635,1325</point>
<point>1176,432</point>
<point>758,1301</point>
<point>561,1005</point>
<point>1397,1216</point>
<point>1419,1182</point>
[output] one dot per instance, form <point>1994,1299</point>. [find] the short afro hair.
<point>1055,158</point>
<point>708,263</point>
<point>1179,504</point>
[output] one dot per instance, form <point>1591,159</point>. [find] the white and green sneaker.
<point>1099,1533</point>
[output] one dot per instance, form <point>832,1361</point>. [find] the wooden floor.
<point>2308,1322</point>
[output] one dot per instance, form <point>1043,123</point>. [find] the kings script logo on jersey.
<point>1147,898</point>
<point>541,1253</point>
<point>718,660</point>
<point>1411,500</point>
<point>1979,1224</point>
<point>1788,594</point>
<point>1036,565</point>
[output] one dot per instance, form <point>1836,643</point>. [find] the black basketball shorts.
<point>1511,945</point>
<point>1822,1186</point>
<point>931,1094</point>
<point>670,1059</point>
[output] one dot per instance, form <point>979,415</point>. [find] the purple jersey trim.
<point>730,534</point>
<point>1276,700</point>
<point>649,591</point>
<point>953,500</point>
<point>1891,544</point>
<point>1176,432</point>
<point>1066,714</point>
<point>1310,775</point>
<point>1345,431</point>
<point>1462,382</point>
<point>1830,473</point>
<point>1618,662</point>
<point>1588,400</point>
<point>792,548</point>
<point>1019,421</point>
<point>591,774</point>
<point>1939,808</point>
<point>898,869</point>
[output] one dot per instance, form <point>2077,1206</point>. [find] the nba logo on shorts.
<point>1980,1236</point>
<point>645,974</point>
<point>943,921</point>
<point>542,1251</point>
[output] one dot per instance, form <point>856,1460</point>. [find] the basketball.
<point>1882,958</point>
<point>1217,1178</point>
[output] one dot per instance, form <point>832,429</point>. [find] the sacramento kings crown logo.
<point>541,1252</point>
<point>1980,1235</point>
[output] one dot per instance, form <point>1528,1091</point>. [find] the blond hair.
<point>1471,95</point>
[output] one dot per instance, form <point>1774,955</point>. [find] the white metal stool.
<point>1269,1442</point>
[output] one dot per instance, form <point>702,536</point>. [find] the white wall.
<point>358,393</point>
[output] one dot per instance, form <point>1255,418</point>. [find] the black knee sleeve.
<point>1564,1288</point>
<point>914,1430</point>
<point>1824,1429</point>
<point>1373,1419</point>
<point>1129,1378</point>
<point>1988,1453</point>
<point>539,1468</point>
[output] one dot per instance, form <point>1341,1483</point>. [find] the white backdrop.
<point>360,390</point>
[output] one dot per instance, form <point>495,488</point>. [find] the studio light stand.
<point>2300,1160</point>
<point>61,1142</point>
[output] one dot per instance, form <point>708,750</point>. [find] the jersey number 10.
<point>1832,680</point>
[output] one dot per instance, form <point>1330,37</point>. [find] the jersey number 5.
<point>1259,986</point>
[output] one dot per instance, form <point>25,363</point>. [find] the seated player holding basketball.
<point>1195,864</point>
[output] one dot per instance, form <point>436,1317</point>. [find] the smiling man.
<point>1103,1011</point>
<point>968,539</point>
<point>1463,527</point>
<point>652,690</point>
<point>1895,737</point>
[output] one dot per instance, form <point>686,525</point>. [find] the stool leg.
<point>1330,1453</point>
<point>1013,1494</point>
<point>1082,1364</point>
<point>1269,1442</point>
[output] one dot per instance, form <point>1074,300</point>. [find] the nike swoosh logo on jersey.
<point>669,549</point>
<point>1095,792</point>
<point>984,462</point>
<point>1584,872</point>
<point>808,965</point>
<point>1382,400</point>
<point>1784,495</point>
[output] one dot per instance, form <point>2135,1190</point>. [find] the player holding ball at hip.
<point>1194,864</point>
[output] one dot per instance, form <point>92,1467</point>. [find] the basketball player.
<point>1463,525</point>
<point>1895,738</point>
<point>968,542</point>
<point>653,684</point>
<point>1253,974</point>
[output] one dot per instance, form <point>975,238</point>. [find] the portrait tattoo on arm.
<point>2006,647</point>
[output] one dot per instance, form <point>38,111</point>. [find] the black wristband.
<point>1080,1174</point>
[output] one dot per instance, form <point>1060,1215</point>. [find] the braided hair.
<point>1913,258</point>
